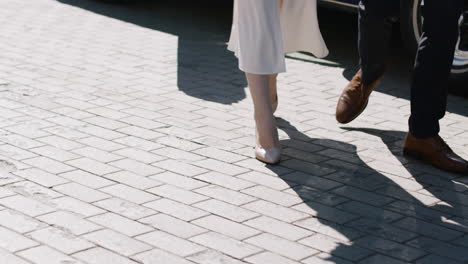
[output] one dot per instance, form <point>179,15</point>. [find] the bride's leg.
<point>273,93</point>
<point>267,148</point>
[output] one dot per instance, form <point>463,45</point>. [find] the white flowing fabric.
<point>262,33</point>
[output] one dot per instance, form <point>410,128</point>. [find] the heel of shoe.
<point>412,154</point>
<point>270,156</point>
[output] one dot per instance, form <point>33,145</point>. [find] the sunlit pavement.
<point>126,136</point>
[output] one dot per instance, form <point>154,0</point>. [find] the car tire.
<point>411,21</point>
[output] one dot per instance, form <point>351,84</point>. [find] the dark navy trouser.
<point>433,61</point>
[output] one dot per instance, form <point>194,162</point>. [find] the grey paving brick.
<point>73,205</point>
<point>132,180</point>
<point>70,222</point>
<point>180,167</point>
<point>311,180</point>
<point>48,165</point>
<point>434,259</point>
<point>7,257</point>
<point>282,246</point>
<point>171,243</point>
<point>87,179</point>
<point>129,193</point>
<point>92,166</point>
<point>381,259</point>
<point>28,206</point>
<point>221,179</point>
<point>173,225</point>
<point>178,180</point>
<point>100,256</point>
<point>275,211</point>
<point>117,242</point>
<point>178,194</point>
<point>440,248</point>
<point>382,229</point>
<point>271,181</point>
<point>268,257</point>
<point>225,195</point>
<point>274,196</point>
<point>47,255</point>
<point>229,246</point>
<point>395,250</point>
<point>125,208</point>
<point>19,222</point>
<point>226,227</point>
<point>41,177</point>
<point>81,192</point>
<point>176,209</point>
<point>213,257</point>
<point>329,229</point>
<point>362,196</point>
<point>120,224</point>
<point>336,247</point>
<point>427,229</point>
<point>369,211</point>
<point>325,212</point>
<point>61,240</point>
<point>159,256</point>
<point>12,241</point>
<point>226,210</point>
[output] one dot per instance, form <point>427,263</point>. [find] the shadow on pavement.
<point>206,70</point>
<point>363,211</point>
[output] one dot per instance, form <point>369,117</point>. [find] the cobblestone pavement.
<point>126,136</point>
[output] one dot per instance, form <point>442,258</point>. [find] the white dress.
<point>262,33</point>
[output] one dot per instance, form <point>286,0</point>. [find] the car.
<point>410,22</point>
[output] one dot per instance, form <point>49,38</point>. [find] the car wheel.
<point>411,21</point>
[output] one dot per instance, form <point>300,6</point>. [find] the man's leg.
<point>429,86</point>
<point>375,28</point>
<point>432,67</point>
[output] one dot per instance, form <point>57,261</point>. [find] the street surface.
<point>126,136</point>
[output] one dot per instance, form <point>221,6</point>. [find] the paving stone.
<point>87,179</point>
<point>336,247</point>
<point>268,257</point>
<point>18,222</point>
<point>226,245</point>
<point>233,183</point>
<point>282,246</point>
<point>26,206</point>
<point>12,241</point>
<point>132,180</point>
<point>47,255</point>
<point>395,250</point>
<point>48,165</point>
<point>173,244</point>
<point>213,257</point>
<point>76,206</point>
<point>275,211</point>
<point>226,210</point>
<point>69,222</point>
<point>440,248</point>
<point>178,194</point>
<point>101,256</point>
<point>180,168</point>
<point>117,242</point>
<point>7,257</point>
<point>125,208</point>
<point>120,224</point>
<point>130,194</point>
<point>176,209</point>
<point>173,225</point>
<point>178,180</point>
<point>81,192</point>
<point>41,177</point>
<point>159,256</point>
<point>225,195</point>
<point>61,240</point>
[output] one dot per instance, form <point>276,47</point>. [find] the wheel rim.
<point>460,61</point>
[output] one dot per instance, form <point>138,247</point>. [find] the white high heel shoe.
<point>270,155</point>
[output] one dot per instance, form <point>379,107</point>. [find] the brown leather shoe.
<point>435,151</point>
<point>354,99</point>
